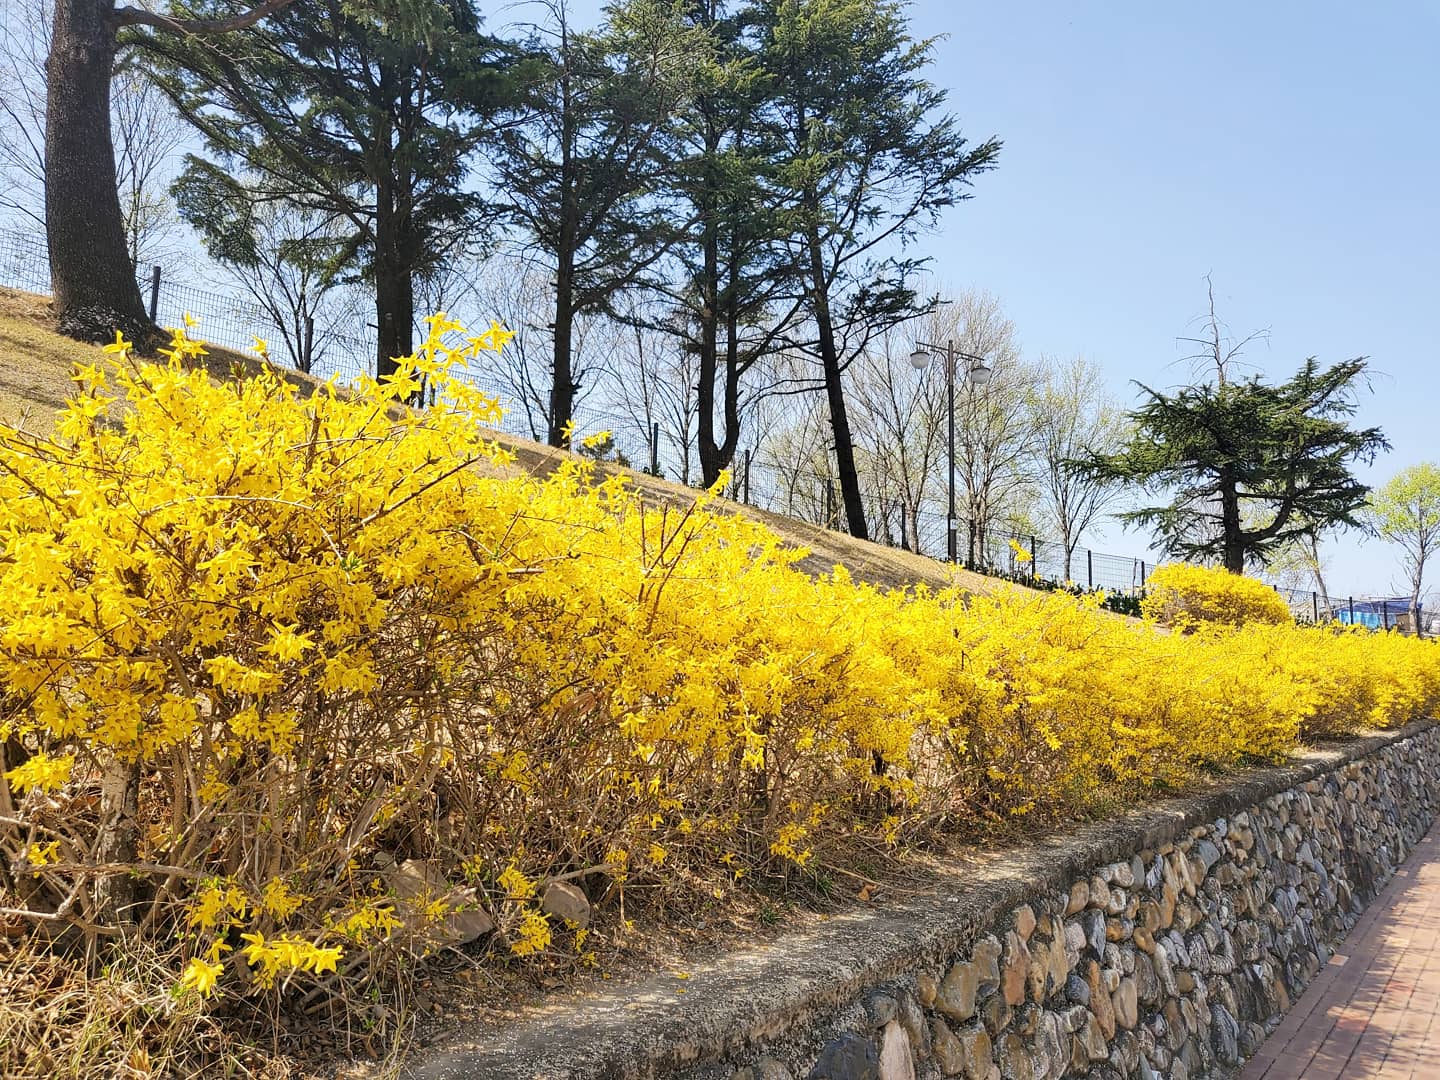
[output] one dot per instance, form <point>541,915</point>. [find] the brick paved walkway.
<point>1370,1012</point>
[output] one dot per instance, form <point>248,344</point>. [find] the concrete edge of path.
<point>658,1024</point>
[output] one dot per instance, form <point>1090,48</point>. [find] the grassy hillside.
<point>35,365</point>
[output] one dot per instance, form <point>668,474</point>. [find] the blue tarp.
<point>1377,614</point>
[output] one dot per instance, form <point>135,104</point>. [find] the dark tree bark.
<point>1233,553</point>
<point>562,373</point>
<point>394,306</point>
<point>93,282</point>
<point>725,300</point>
<point>835,394</point>
<point>394,279</point>
<point>712,456</point>
<point>90,272</point>
<point>562,376</point>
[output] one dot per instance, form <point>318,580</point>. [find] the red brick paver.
<point>1370,1013</point>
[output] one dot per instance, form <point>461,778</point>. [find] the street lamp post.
<point>977,373</point>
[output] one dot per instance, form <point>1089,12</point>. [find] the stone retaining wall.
<point>1163,947</point>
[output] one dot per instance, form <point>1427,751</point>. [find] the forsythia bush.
<point>258,649</point>
<point>1186,596</point>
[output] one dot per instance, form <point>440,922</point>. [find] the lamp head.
<point>919,359</point>
<point>979,374</point>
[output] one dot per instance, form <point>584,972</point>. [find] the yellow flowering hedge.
<point>1186,596</point>
<point>258,649</point>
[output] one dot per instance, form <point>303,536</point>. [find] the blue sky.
<point>1287,149</point>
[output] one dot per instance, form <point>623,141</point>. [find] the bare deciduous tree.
<point>24,41</point>
<point>291,259</point>
<point>900,425</point>
<point>1070,413</point>
<point>519,293</point>
<point>1300,566</point>
<point>652,380</point>
<point>993,438</point>
<point>148,134</point>
<point>1217,348</point>
<point>794,471</point>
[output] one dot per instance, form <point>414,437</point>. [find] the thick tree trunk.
<point>394,282</point>
<point>91,276</point>
<point>835,395</point>
<point>394,313</point>
<point>1232,536</point>
<point>711,458</point>
<point>562,378</point>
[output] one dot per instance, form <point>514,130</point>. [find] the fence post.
<point>1385,612</point>
<point>154,293</point>
<point>1033,566</point>
<point>309,344</point>
<point>746,475</point>
<point>1315,605</point>
<point>654,449</point>
<point>1352,611</point>
<point>829,503</point>
<point>1089,570</point>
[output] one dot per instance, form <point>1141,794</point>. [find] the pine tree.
<point>581,175</point>
<point>368,113</point>
<point>868,162</point>
<point>1249,467</point>
<point>740,287</point>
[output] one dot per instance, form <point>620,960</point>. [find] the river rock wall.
<point>1173,962</point>
<point>1162,943</point>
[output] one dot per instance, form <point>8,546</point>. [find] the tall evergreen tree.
<point>581,175</point>
<point>92,278</point>
<point>369,113</point>
<point>868,162</point>
<point>739,286</point>
<point>1248,467</point>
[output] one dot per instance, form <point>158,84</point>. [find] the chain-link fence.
<point>229,321</point>
<point>794,489</point>
<point>24,262</point>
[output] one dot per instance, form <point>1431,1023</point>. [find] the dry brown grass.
<point>120,1016</point>
<point>58,1021</point>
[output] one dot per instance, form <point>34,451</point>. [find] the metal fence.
<point>1372,612</point>
<point>786,488</point>
<point>229,321</point>
<point>24,262</point>
<point>814,496</point>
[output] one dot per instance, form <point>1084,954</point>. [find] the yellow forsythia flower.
<point>201,976</point>
<point>40,773</point>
